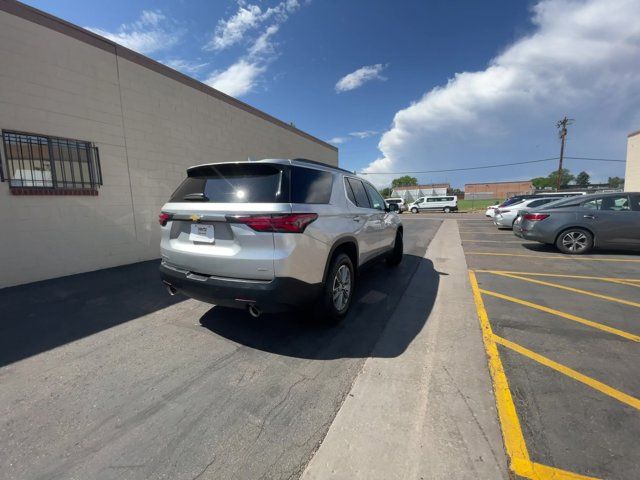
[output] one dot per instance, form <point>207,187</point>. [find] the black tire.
<point>414,210</point>
<point>575,241</point>
<point>395,257</point>
<point>330,311</point>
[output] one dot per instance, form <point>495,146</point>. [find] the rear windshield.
<point>235,183</point>
<point>255,183</point>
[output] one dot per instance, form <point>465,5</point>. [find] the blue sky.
<point>408,86</point>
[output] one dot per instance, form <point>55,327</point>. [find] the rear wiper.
<point>195,197</point>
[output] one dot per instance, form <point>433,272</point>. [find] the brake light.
<point>279,223</point>
<point>535,217</point>
<point>163,218</point>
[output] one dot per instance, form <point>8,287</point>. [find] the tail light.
<point>535,217</point>
<point>279,223</point>
<point>163,218</point>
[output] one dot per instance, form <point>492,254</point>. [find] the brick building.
<point>497,190</point>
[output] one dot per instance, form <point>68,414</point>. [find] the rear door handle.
<point>591,217</point>
<point>357,218</point>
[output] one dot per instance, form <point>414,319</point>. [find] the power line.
<point>492,166</point>
<point>596,159</point>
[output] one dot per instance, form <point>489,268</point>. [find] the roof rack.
<point>320,164</point>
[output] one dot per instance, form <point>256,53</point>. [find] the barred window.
<point>43,162</point>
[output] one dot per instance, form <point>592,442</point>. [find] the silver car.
<point>504,217</point>
<point>578,224</point>
<point>274,235</point>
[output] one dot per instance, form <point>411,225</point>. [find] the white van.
<point>446,204</point>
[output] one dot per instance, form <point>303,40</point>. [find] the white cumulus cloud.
<point>361,76</point>
<point>150,33</point>
<point>582,59</point>
<point>247,18</point>
<point>238,79</point>
<point>244,74</point>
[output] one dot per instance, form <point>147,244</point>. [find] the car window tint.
<point>359,192</point>
<point>537,203</point>
<point>349,191</point>
<point>593,204</point>
<point>235,183</point>
<point>376,199</point>
<point>635,202</point>
<point>615,204</point>
<point>310,186</point>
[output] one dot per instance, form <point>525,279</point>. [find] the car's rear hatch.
<point>205,233</point>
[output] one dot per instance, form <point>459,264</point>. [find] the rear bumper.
<point>277,295</point>
<point>527,232</point>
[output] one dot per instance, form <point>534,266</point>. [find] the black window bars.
<point>45,162</point>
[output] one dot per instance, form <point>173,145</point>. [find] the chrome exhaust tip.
<point>254,311</point>
<point>171,289</point>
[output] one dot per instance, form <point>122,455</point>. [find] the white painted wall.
<point>632,174</point>
<point>148,128</point>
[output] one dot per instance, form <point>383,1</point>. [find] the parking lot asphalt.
<point>105,376</point>
<point>562,337</point>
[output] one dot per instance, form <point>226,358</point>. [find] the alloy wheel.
<point>575,241</point>
<point>341,290</point>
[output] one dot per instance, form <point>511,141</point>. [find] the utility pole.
<point>562,132</point>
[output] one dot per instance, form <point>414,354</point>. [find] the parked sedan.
<point>505,217</point>
<point>577,225</point>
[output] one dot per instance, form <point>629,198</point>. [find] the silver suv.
<point>274,235</point>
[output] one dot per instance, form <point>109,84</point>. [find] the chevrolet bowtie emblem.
<point>195,218</point>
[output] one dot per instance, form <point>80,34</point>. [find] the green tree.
<point>540,182</point>
<point>406,181</point>
<point>583,179</point>
<point>551,180</point>
<point>385,192</point>
<point>615,182</point>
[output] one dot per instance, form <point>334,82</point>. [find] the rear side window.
<point>635,202</point>
<point>537,203</point>
<point>359,193</point>
<point>310,186</point>
<point>235,183</point>
<point>376,199</point>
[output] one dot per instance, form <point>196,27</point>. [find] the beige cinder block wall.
<point>149,124</point>
<point>632,173</point>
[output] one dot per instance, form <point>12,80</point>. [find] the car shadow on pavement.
<point>378,292</point>
<point>545,248</point>
<point>43,315</point>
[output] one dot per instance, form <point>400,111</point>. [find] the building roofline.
<point>415,187</point>
<point>496,183</point>
<point>59,25</point>
<point>633,134</point>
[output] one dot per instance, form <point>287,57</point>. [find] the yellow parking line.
<point>623,282</point>
<point>568,316</point>
<point>514,442</point>
<point>557,257</point>
<point>558,275</point>
<point>575,290</point>
<point>558,367</point>
<point>511,429</point>
<point>544,472</point>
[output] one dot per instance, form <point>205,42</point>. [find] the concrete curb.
<point>428,413</point>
